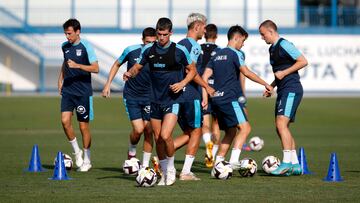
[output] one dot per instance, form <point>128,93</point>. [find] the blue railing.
<point>28,38</point>
<point>324,16</point>
<point>116,17</point>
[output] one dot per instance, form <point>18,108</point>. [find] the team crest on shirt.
<point>196,51</point>
<point>147,109</point>
<point>78,52</point>
<point>81,109</point>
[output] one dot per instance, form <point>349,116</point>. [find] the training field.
<point>324,125</point>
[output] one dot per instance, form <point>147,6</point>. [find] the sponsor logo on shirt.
<point>159,65</point>
<point>221,58</point>
<point>218,94</point>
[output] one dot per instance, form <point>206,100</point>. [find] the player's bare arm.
<point>242,83</point>
<point>114,69</point>
<point>268,93</point>
<point>191,72</point>
<point>92,68</point>
<point>61,78</point>
<point>204,84</point>
<point>206,75</point>
<point>300,63</point>
<point>252,76</point>
<point>132,72</point>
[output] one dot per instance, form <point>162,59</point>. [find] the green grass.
<point>323,125</point>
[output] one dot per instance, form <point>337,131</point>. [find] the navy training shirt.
<point>166,68</point>
<point>76,81</point>
<point>283,54</point>
<point>192,90</point>
<point>209,50</point>
<point>226,66</point>
<point>137,88</point>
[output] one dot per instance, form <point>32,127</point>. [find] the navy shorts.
<point>230,114</point>
<point>190,115</point>
<point>137,109</point>
<point>82,104</point>
<point>287,104</point>
<point>158,111</point>
<point>209,109</point>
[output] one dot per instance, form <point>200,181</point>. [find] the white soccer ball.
<point>67,161</point>
<point>270,163</point>
<point>131,166</point>
<point>256,143</point>
<point>248,167</point>
<point>146,177</point>
<point>222,170</point>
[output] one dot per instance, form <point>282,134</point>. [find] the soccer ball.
<point>131,166</point>
<point>146,177</point>
<point>270,164</point>
<point>67,161</point>
<point>222,170</point>
<point>256,143</point>
<point>248,167</point>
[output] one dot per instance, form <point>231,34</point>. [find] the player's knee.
<point>148,131</point>
<point>148,135</point>
<point>280,125</point>
<point>83,127</point>
<point>66,122</point>
<point>245,128</point>
<point>138,130</point>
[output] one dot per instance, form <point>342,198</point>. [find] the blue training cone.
<point>60,170</point>
<point>334,171</point>
<point>35,162</point>
<point>303,162</point>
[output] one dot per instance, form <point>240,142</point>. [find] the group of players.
<point>185,83</point>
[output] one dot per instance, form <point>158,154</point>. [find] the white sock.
<point>206,137</point>
<point>189,159</point>
<point>170,163</point>
<point>286,156</point>
<point>218,159</point>
<point>132,150</point>
<point>146,159</point>
<point>294,157</point>
<point>235,154</point>
<point>215,149</point>
<point>75,145</point>
<point>87,155</point>
<point>163,165</point>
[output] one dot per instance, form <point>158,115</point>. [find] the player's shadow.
<point>48,166</point>
<point>353,171</point>
<point>263,173</point>
<point>198,166</point>
<point>112,169</point>
<point>120,175</point>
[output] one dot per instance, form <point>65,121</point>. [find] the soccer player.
<point>210,128</point>
<point>74,85</point>
<point>136,96</point>
<point>225,67</point>
<point>190,116</point>
<point>285,60</point>
<point>167,62</point>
